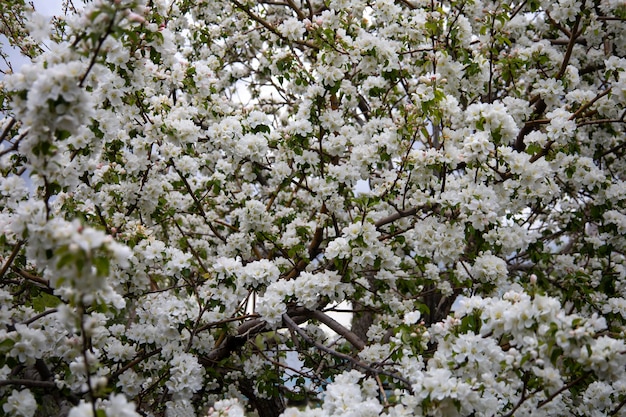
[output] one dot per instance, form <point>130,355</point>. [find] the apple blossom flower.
<point>20,403</point>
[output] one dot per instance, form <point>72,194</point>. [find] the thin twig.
<point>563,388</point>
<point>590,103</point>
<point>40,315</point>
<point>97,51</point>
<point>134,362</point>
<point>197,202</point>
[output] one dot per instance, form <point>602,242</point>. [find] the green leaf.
<point>480,124</point>
<point>102,266</point>
<point>259,342</point>
<point>261,129</point>
<point>470,323</point>
<point>555,355</point>
<point>45,301</point>
<point>67,258</point>
<point>6,345</point>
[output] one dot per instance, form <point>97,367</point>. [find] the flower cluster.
<point>379,208</point>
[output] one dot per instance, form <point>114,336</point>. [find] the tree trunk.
<point>364,317</point>
<point>265,407</point>
<point>361,321</point>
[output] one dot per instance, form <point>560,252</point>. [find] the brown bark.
<point>265,407</point>
<point>362,320</point>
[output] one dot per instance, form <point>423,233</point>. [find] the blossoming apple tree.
<point>191,190</point>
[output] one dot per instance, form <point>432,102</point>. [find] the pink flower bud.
<point>134,17</point>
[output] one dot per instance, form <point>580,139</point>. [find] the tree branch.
<point>590,103</point>
<point>28,383</point>
<point>292,325</point>
<point>14,252</point>
<point>563,388</point>
<point>27,275</point>
<point>339,329</point>
<point>270,27</point>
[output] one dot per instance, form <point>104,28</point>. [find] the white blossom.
<point>20,403</point>
<point>433,192</point>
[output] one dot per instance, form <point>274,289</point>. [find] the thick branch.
<point>408,4</point>
<point>40,315</point>
<point>14,252</point>
<point>27,275</point>
<point>570,47</point>
<point>29,383</point>
<point>396,216</point>
<point>614,149</point>
<point>7,129</point>
<point>563,388</point>
<point>247,330</point>
<point>339,329</point>
<point>296,9</point>
<point>292,325</point>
